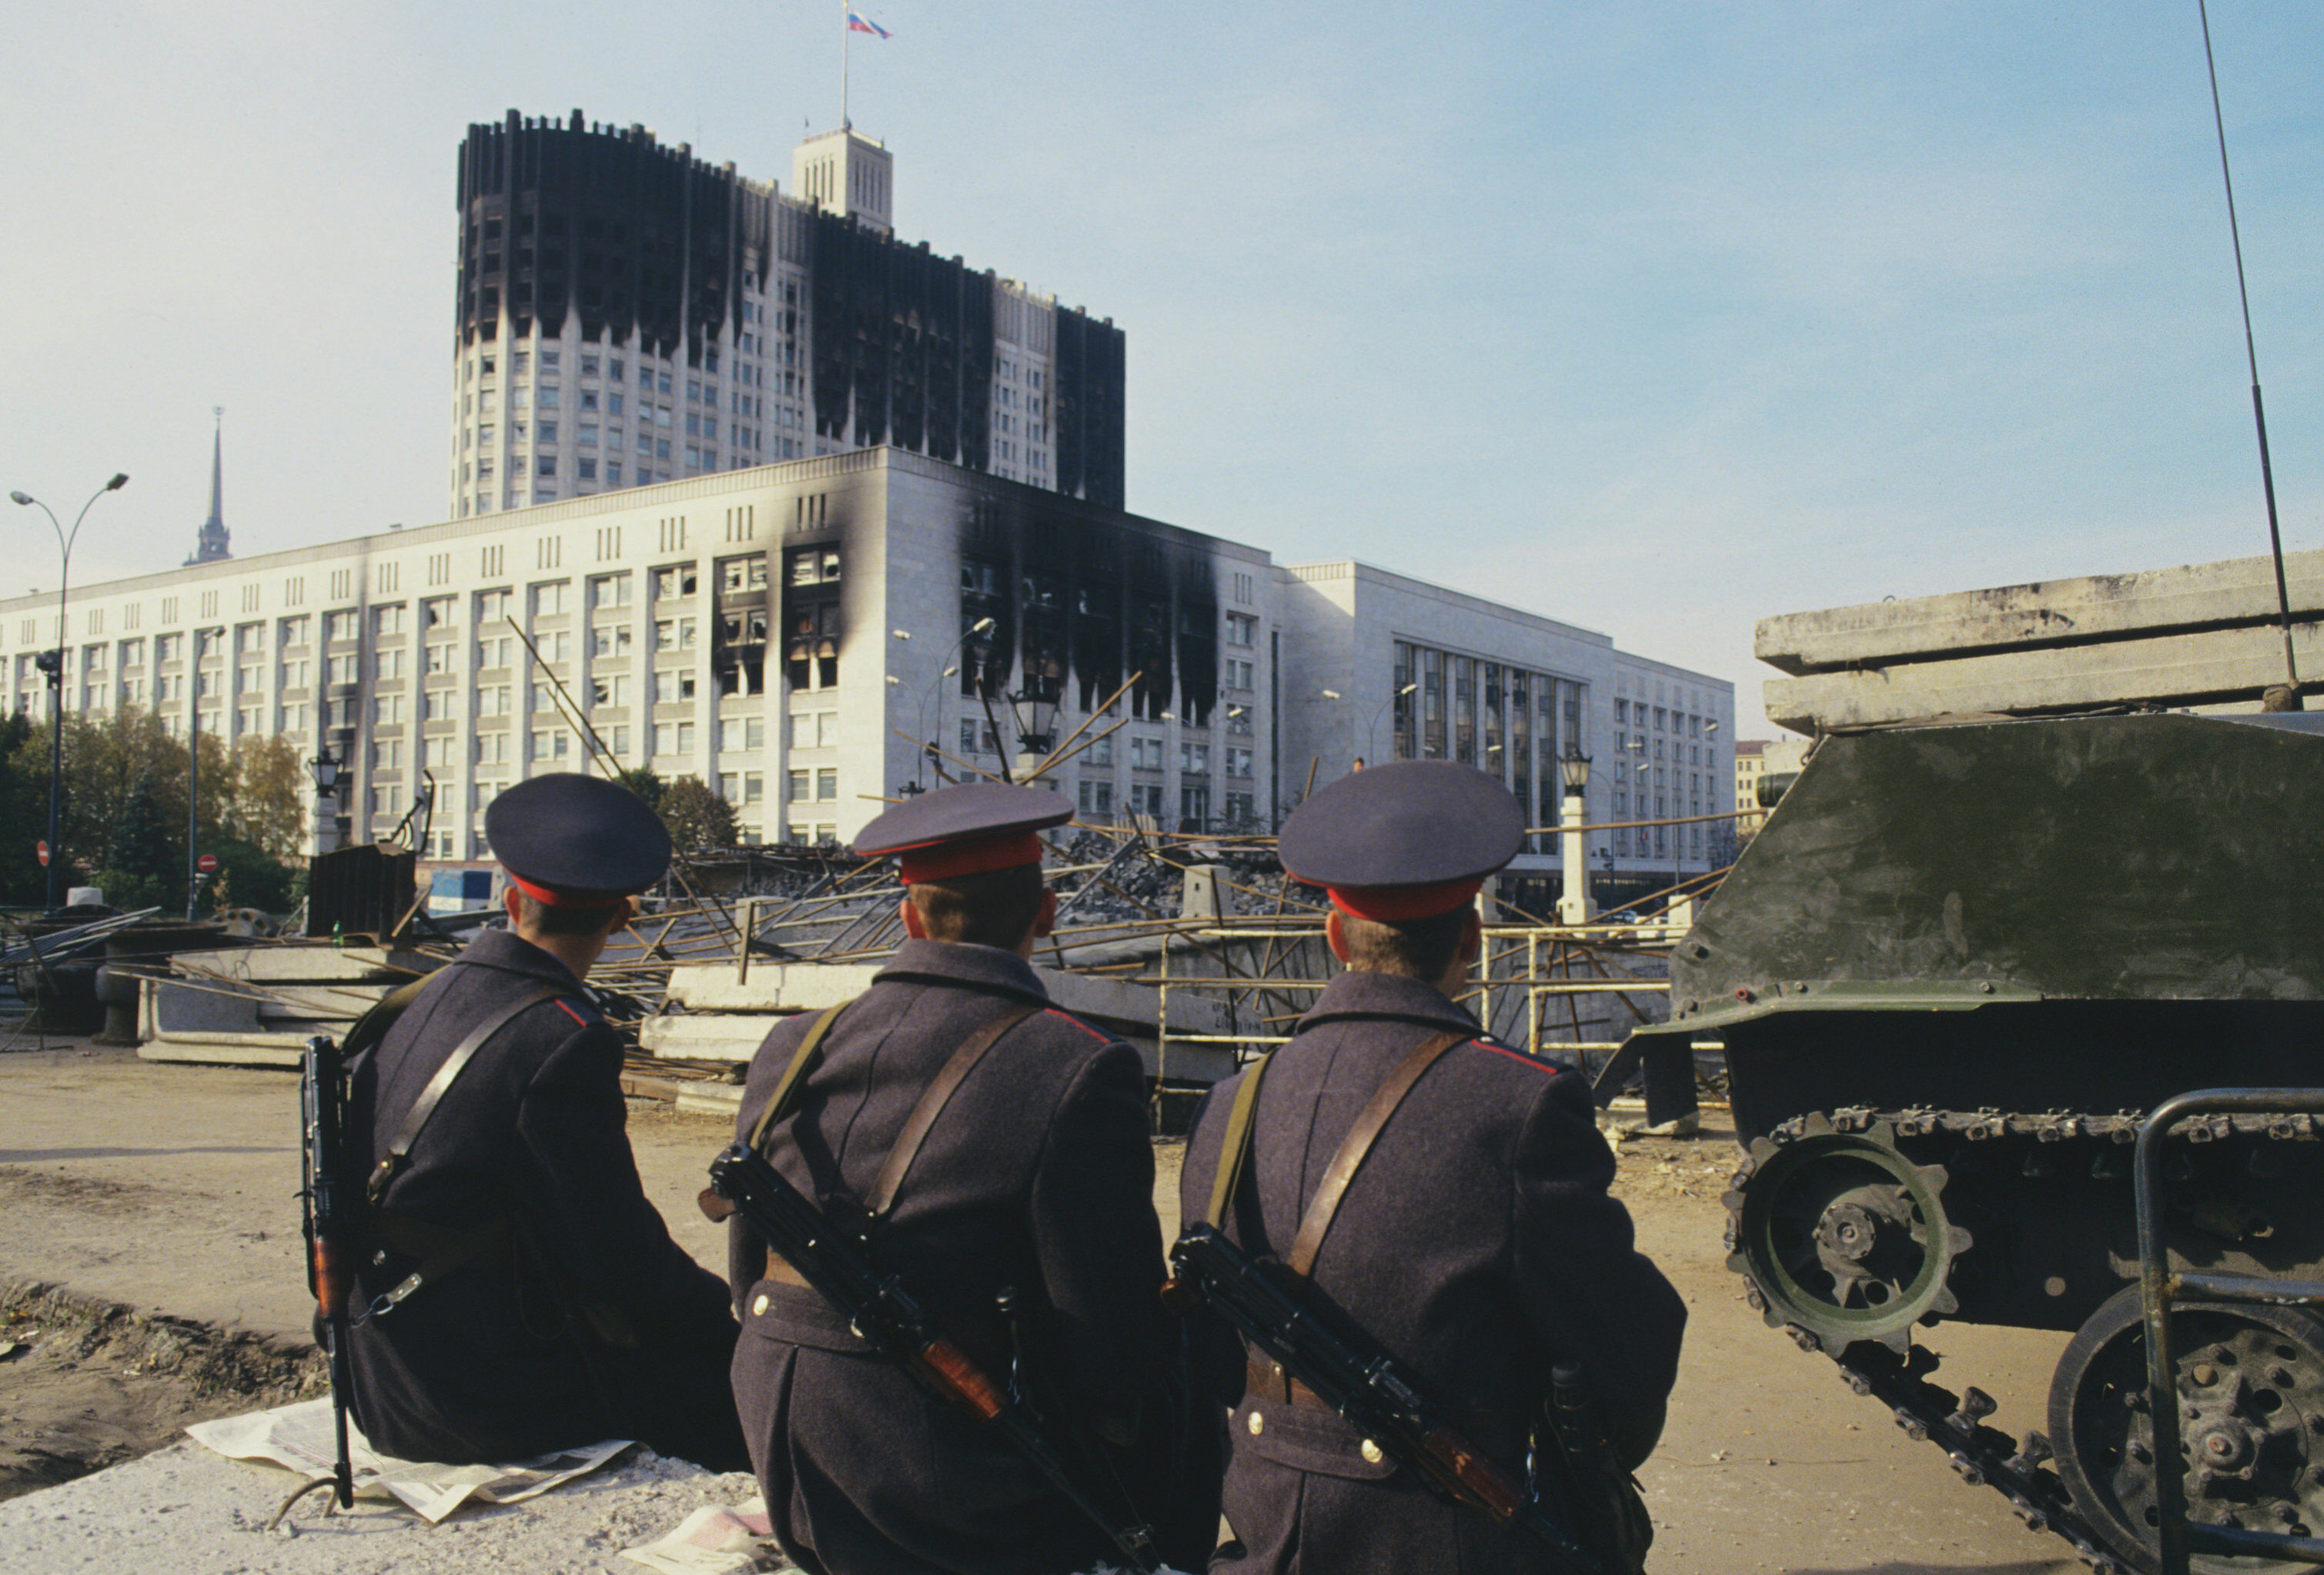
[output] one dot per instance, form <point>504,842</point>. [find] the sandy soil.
<point>170,1190</point>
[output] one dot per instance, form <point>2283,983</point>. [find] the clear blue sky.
<point>1658,318</point>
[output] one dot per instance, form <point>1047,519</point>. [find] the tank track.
<point>1984,1456</point>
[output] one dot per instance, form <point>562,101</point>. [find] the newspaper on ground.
<point>300,1437</point>
<point>714,1540</point>
<point>736,1539</point>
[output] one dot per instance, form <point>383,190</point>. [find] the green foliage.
<point>143,850</point>
<point>251,877</point>
<point>23,809</point>
<point>697,818</point>
<point>646,783</point>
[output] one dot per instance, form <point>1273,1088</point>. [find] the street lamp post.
<point>1574,906</point>
<point>325,770</point>
<point>946,669</point>
<point>55,666</point>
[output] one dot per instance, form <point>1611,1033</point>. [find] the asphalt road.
<point>173,1189</point>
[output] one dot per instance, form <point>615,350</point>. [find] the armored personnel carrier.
<point>1950,973</point>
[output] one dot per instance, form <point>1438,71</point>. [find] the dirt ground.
<point>160,1203</point>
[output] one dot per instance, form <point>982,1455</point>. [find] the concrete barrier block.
<point>2214,667</point>
<point>2093,608</point>
<point>709,1037</point>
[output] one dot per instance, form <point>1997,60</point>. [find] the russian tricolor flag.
<point>856,23</point>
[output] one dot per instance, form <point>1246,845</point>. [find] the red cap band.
<point>548,896</point>
<point>942,860</point>
<point>1393,903</point>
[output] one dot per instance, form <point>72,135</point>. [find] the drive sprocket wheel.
<point>2251,1384</point>
<point>1844,1237</point>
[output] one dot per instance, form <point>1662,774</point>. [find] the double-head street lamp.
<point>1573,906</point>
<point>947,669</point>
<point>53,663</point>
<point>1372,729</point>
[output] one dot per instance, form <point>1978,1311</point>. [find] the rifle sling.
<point>1358,1144</point>
<point>917,1125</point>
<point>391,1163</point>
<point>803,1060</point>
<point>1237,1149</point>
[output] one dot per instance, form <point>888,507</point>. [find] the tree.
<point>266,804</point>
<point>697,818</point>
<point>144,864</point>
<point>23,809</point>
<point>250,877</point>
<point>646,783</point>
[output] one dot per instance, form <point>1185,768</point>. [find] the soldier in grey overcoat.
<point>1477,1241</point>
<point>543,1303</point>
<point>1037,1178</point>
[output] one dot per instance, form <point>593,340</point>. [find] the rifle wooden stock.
<point>1358,1378</point>
<point>888,1318</point>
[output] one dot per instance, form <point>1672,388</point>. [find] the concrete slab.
<point>708,1035</point>
<point>2174,670</point>
<point>2053,613</point>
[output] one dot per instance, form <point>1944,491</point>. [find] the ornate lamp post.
<point>325,769</point>
<point>53,663</point>
<point>1574,906</point>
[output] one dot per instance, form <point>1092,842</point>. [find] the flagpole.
<point>844,124</point>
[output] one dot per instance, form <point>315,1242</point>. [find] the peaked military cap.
<point>965,830</point>
<point>571,841</point>
<point>1404,840</point>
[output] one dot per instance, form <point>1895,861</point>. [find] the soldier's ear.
<point>914,925</point>
<point>1335,937</point>
<point>1473,938</point>
<point>1044,921</point>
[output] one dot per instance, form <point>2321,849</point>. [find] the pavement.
<point>172,1189</point>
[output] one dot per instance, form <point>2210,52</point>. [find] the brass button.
<point>1256,1422</point>
<point>1371,1452</point>
<point>760,1304</point>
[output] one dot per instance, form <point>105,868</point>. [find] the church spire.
<point>210,546</point>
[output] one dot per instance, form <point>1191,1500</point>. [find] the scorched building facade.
<point>628,315</point>
<point>807,637</point>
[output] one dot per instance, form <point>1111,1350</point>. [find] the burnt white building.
<point>628,315</point>
<point>809,638</point>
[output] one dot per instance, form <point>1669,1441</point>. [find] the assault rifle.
<point>330,1214</point>
<point>1356,1377</point>
<point>876,1305</point>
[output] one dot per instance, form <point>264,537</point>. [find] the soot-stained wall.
<point>1079,605</point>
<point>564,218</point>
<point>902,349</point>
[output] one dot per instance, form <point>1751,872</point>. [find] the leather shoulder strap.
<point>432,1095</point>
<point>803,1060</point>
<point>932,1105</point>
<point>1358,1143</point>
<point>1235,1151</point>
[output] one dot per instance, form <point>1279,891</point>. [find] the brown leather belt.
<point>1269,1381</point>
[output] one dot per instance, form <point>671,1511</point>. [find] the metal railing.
<point>1567,945</point>
<point>2161,1286</point>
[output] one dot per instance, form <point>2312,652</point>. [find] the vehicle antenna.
<point>2259,410</point>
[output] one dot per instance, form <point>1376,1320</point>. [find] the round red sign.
<point>206,863</point>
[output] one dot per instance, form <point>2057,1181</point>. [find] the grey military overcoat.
<point>1038,1177</point>
<point>488,1363</point>
<point>1476,1242</point>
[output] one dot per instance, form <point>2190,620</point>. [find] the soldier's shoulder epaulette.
<point>1066,1016</point>
<point>584,1013</point>
<point>1538,1063</point>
